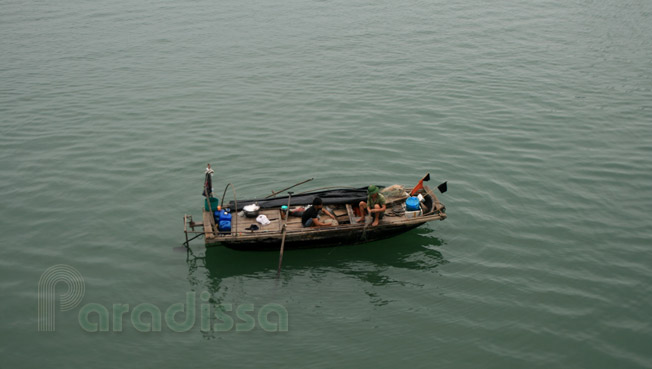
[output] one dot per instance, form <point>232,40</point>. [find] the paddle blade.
<point>427,177</point>
<point>443,187</point>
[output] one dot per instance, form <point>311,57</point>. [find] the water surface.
<point>537,113</point>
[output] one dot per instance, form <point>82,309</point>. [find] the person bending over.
<point>310,217</point>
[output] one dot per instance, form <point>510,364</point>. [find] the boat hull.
<point>339,237</point>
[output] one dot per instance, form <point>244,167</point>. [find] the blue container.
<point>412,204</point>
<point>225,216</point>
<point>224,226</point>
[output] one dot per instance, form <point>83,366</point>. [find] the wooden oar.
<point>287,215</point>
<point>285,189</point>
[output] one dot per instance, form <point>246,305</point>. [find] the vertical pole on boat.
<point>280,257</point>
<point>208,192</point>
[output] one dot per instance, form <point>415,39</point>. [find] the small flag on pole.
<point>443,187</point>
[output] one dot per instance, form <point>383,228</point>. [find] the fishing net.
<point>395,196</point>
<point>394,193</point>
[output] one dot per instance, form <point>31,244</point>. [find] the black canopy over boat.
<point>342,202</point>
<point>335,196</point>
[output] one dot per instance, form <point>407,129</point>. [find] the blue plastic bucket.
<point>412,204</point>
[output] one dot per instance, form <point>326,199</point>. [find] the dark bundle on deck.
<point>329,197</point>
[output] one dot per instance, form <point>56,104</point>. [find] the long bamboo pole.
<point>285,224</point>
<point>274,193</point>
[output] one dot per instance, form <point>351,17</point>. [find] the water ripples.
<point>537,115</point>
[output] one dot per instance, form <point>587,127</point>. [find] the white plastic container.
<point>413,214</point>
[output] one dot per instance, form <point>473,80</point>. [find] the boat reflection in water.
<point>314,278</point>
<point>416,250</point>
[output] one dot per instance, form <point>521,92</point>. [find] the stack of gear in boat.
<point>223,220</point>
<point>403,203</point>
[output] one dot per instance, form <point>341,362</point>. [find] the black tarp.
<point>330,197</point>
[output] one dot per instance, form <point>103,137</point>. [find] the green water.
<point>539,114</point>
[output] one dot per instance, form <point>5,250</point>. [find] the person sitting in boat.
<point>310,217</point>
<point>375,205</point>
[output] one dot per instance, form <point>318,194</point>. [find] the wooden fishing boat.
<point>288,230</point>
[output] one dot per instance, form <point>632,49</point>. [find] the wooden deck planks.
<point>274,216</point>
<point>208,224</point>
<point>343,215</point>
